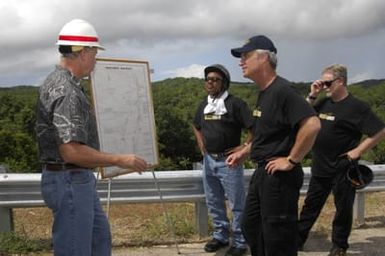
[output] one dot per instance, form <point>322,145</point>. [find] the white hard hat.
<point>79,32</point>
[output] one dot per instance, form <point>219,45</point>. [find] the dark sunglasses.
<point>329,82</point>
<point>213,79</point>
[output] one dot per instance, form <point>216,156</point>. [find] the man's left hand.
<point>278,164</point>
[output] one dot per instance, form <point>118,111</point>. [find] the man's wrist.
<point>311,97</point>
<point>291,161</point>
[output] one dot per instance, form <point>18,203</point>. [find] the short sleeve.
<point>245,115</point>
<point>371,123</point>
<point>197,122</point>
<point>296,108</point>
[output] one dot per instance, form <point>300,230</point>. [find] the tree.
<point>175,102</point>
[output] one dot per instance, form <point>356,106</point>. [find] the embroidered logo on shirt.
<point>212,117</point>
<point>328,117</point>
<point>257,113</point>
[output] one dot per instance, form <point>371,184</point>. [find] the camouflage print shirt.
<point>64,114</point>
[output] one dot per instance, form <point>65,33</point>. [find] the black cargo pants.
<point>269,221</point>
<point>318,192</point>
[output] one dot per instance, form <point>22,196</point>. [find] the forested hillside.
<point>18,149</point>
<point>175,102</point>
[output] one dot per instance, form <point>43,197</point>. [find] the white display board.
<point>122,97</point>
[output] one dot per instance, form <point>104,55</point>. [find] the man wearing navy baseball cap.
<point>284,131</point>
<point>256,42</point>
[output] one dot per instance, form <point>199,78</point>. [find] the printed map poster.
<point>121,92</point>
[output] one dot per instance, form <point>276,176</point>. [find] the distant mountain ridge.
<point>370,82</point>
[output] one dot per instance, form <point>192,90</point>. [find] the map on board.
<point>122,97</point>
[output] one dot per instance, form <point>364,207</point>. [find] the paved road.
<point>363,242</point>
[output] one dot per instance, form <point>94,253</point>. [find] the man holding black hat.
<point>218,123</point>
<point>69,148</point>
<point>344,119</point>
<point>285,130</point>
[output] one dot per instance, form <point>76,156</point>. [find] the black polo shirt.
<point>342,125</point>
<point>222,132</point>
<point>278,111</point>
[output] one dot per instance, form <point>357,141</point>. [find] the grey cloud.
<point>177,31</point>
<point>196,19</point>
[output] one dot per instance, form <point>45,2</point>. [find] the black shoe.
<point>300,244</point>
<point>234,251</point>
<point>300,248</point>
<point>214,245</point>
<point>336,251</point>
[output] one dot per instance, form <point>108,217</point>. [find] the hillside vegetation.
<point>175,102</point>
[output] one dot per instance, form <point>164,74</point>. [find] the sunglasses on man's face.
<point>328,83</point>
<point>213,79</point>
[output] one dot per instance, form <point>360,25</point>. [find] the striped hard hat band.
<point>78,38</point>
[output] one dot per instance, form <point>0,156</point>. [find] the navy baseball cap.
<point>256,42</point>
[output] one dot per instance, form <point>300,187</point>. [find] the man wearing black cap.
<point>217,126</point>
<point>284,131</point>
<point>344,119</point>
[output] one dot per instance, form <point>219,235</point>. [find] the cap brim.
<point>212,69</point>
<point>237,52</point>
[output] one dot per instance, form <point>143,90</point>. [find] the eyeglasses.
<point>329,83</point>
<point>247,55</point>
<point>213,79</point>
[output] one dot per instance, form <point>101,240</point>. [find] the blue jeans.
<point>80,226</point>
<point>221,181</point>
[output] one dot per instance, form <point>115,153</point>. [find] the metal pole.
<point>108,193</point>
<point>170,226</point>
<point>109,197</point>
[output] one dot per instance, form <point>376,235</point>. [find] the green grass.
<point>13,243</point>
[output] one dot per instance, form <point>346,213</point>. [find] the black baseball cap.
<point>256,42</point>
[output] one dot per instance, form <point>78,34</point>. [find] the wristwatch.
<point>311,97</point>
<point>292,161</point>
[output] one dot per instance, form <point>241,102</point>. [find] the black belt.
<point>62,167</point>
<point>217,156</point>
<point>260,164</point>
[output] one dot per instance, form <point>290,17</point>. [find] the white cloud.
<point>360,77</point>
<point>194,70</point>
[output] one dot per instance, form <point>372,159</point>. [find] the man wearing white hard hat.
<point>69,148</point>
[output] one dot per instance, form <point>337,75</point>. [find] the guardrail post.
<point>202,221</point>
<point>6,219</point>
<point>359,208</point>
<point>201,212</point>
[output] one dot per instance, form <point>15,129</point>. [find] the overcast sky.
<point>181,37</point>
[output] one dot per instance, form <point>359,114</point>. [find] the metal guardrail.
<point>23,190</point>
